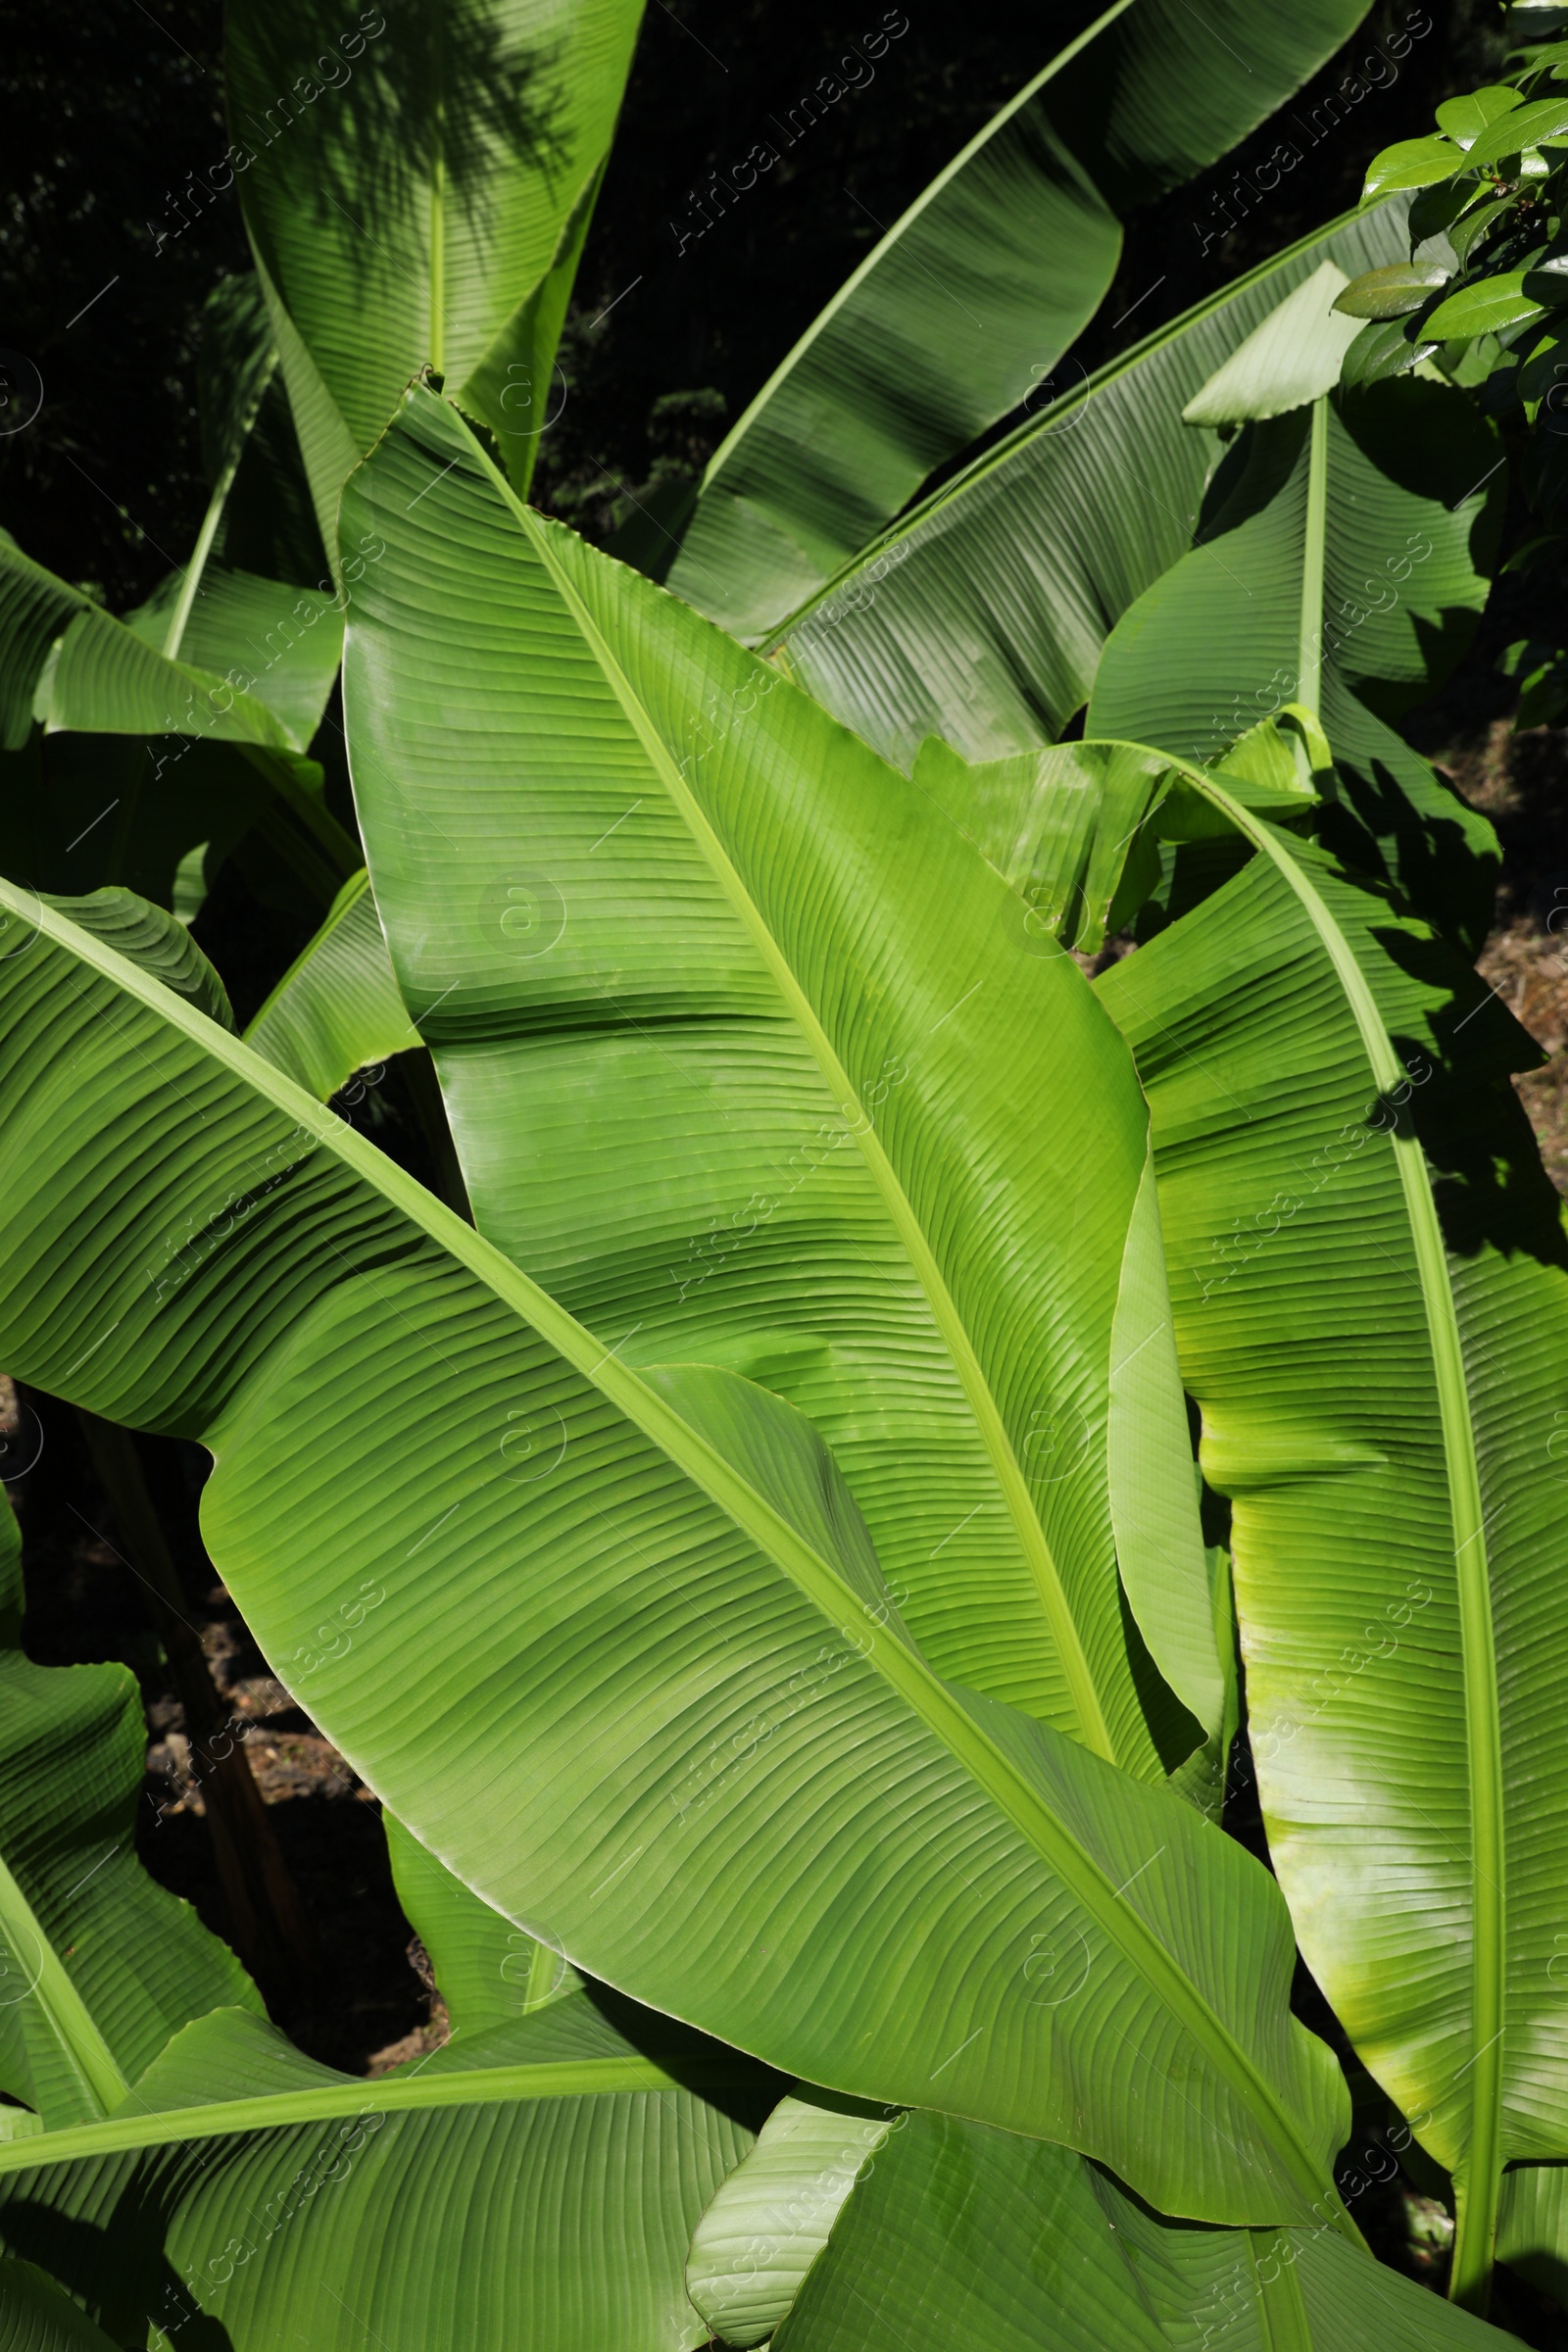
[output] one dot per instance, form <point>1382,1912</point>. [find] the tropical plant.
<point>748,1532</point>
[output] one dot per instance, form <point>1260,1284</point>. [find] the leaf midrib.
<point>1481,2178</point>
<point>87,2056</point>
<point>388,2094</point>
<point>1032,1542</point>
<point>932,1701</point>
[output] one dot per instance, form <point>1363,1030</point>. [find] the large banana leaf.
<point>1370,1283</point>
<point>612,1642</point>
<point>100,1966</point>
<point>970,299</point>
<point>951,2233</point>
<point>982,614</point>
<point>416,189</point>
<point>718,1081</point>
<point>536,2183</point>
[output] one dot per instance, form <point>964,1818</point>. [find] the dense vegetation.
<point>765,1054</point>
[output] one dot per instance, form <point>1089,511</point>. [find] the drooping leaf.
<point>1370,1283</point>
<point>967,303</point>
<point>35,2317</point>
<point>649,1619</point>
<point>982,615</point>
<point>416,189</point>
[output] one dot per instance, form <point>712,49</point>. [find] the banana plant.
<point>167,2157</point>
<point>981,615</point>
<point>1340,560</point>
<point>966,305</point>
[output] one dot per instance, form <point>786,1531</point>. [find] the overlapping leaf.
<point>966,305</point>
<point>981,615</point>
<point>612,1642</point>
<point>1370,1283</point>
<point>718,1080</point>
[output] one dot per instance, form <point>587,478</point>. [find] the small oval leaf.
<point>1465,119</point>
<point>1485,308</point>
<point>1411,164</point>
<point>1389,292</point>
<point>1525,127</point>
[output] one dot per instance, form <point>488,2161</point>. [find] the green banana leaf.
<point>1341,562</point>
<point>982,614</point>
<point>700,949</point>
<point>966,305</point>
<point>1370,1283</point>
<point>417,190</point>
<point>486,1971</point>
<point>228,611</point>
<point>560,1589</point>
<point>336,1009</point>
<point>538,2179</point>
<point>35,2317</point>
<point>536,2183</point>
<point>946,2233</point>
<point>98,1965</point>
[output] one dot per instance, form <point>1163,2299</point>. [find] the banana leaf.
<point>416,194</point>
<point>931,2231</point>
<point>640,936</point>
<point>1340,562</point>
<point>168,2156</point>
<point>100,1966</point>
<point>336,1009</point>
<point>1369,1277</point>
<point>591,1617</point>
<point>965,306</point>
<point>980,616</point>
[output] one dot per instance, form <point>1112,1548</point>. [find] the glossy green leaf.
<point>1370,1283</point>
<point>336,1009</point>
<point>528,1668</point>
<point>1341,561</point>
<point>624,870</point>
<point>981,617</point>
<point>417,192</point>
<point>1520,127</point>
<point>965,307</point>
<point>956,2235</point>
<point>1294,357</point>
<point>1484,308</point>
<point>1464,118</point>
<point>1389,292</point>
<point>1411,164</point>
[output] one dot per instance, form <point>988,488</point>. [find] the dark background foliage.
<point>110,113</point>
